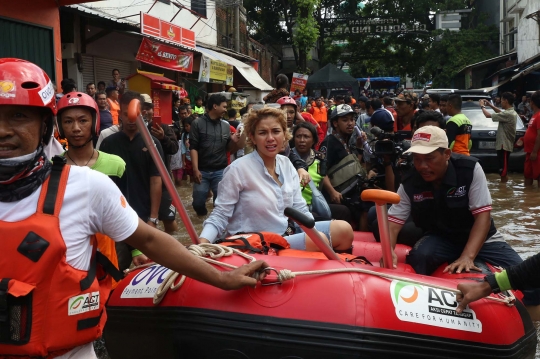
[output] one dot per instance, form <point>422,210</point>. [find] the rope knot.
<point>285,275</point>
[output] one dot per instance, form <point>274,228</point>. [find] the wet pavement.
<point>515,209</point>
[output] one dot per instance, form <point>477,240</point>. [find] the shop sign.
<point>164,56</point>
<point>299,82</point>
<point>153,26</point>
<point>354,26</point>
<point>215,71</point>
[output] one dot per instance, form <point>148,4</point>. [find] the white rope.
<point>216,251</point>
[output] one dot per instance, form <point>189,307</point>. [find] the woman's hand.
<point>304,177</point>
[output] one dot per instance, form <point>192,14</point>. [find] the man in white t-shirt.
<point>447,196</point>
<point>56,226</point>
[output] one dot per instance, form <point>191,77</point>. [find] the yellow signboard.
<point>215,71</point>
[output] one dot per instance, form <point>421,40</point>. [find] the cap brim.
<point>423,150</point>
<point>399,99</point>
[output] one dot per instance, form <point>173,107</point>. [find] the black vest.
<point>445,211</point>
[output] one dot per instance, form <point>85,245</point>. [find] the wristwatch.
<point>482,106</point>
<point>492,283</point>
<point>153,220</point>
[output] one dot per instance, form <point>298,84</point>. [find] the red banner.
<point>154,26</point>
<point>168,57</point>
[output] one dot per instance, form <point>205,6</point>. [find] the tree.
<point>396,53</point>
<point>455,50</point>
<point>282,22</point>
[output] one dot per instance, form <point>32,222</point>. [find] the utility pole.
<point>237,26</point>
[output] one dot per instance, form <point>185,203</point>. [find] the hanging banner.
<point>299,82</point>
<point>164,56</point>
<point>215,71</point>
<point>367,84</point>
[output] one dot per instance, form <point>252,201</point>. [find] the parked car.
<point>484,131</point>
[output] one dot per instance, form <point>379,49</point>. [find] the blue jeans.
<point>431,251</point>
<point>210,180</point>
<point>298,240</point>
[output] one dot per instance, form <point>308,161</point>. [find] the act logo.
<point>426,305</point>
<point>83,303</point>
<point>457,192</point>
<point>406,287</point>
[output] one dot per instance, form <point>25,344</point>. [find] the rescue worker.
<point>78,122</point>
<point>458,127</point>
<point>51,211</point>
<point>447,197</point>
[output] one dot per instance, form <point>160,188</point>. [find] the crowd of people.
<point>315,155</point>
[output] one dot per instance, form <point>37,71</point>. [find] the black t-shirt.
<point>135,183</point>
<point>210,139</point>
<point>334,150</point>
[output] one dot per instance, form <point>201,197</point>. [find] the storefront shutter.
<point>103,69</point>
<point>28,42</point>
<point>88,70</point>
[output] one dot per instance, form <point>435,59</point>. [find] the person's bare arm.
<point>477,237</point>
<point>155,196</point>
<point>534,153</point>
<point>197,176</point>
<point>237,142</point>
<point>167,251</point>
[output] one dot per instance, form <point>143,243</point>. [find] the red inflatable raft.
<point>362,312</point>
<point>344,315</point>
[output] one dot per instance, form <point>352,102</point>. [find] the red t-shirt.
<point>530,135</point>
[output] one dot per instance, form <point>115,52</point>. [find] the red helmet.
<point>23,83</point>
<point>78,99</point>
<point>286,100</point>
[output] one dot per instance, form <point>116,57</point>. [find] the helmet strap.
<point>83,145</point>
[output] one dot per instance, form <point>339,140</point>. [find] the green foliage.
<point>455,50</point>
<point>393,54</point>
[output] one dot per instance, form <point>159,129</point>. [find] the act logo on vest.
<point>420,304</point>
<point>456,192</point>
<point>83,303</point>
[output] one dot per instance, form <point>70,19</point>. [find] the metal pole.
<point>384,232</point>
<point>135,114</point>
<point>308,226</point>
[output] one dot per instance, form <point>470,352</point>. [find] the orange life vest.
<point>256,242</point>
<point>47,307</point>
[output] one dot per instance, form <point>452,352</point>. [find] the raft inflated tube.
<point>134,115</point>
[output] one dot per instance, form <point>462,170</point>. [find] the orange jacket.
<point>320,114</point>
<point>114,107</point>
<point>60,307</point>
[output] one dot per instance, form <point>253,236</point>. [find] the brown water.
<point>515,209</point>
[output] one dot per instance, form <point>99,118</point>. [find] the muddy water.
<point>515,209</point>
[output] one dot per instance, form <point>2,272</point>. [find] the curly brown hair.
<point>257,116</point>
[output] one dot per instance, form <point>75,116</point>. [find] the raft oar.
<point>381,199</point>
<point>308,226</point>
<point>134,115</point>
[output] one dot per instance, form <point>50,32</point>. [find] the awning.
<point>491,88</point>
<point>166,86</point>
<point>247,71</point>
<point>526,71</point>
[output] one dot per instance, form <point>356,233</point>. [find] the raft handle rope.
<point>216,251</point>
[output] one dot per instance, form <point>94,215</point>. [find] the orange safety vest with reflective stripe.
<point>48,307</point>
<point>462,143</point>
